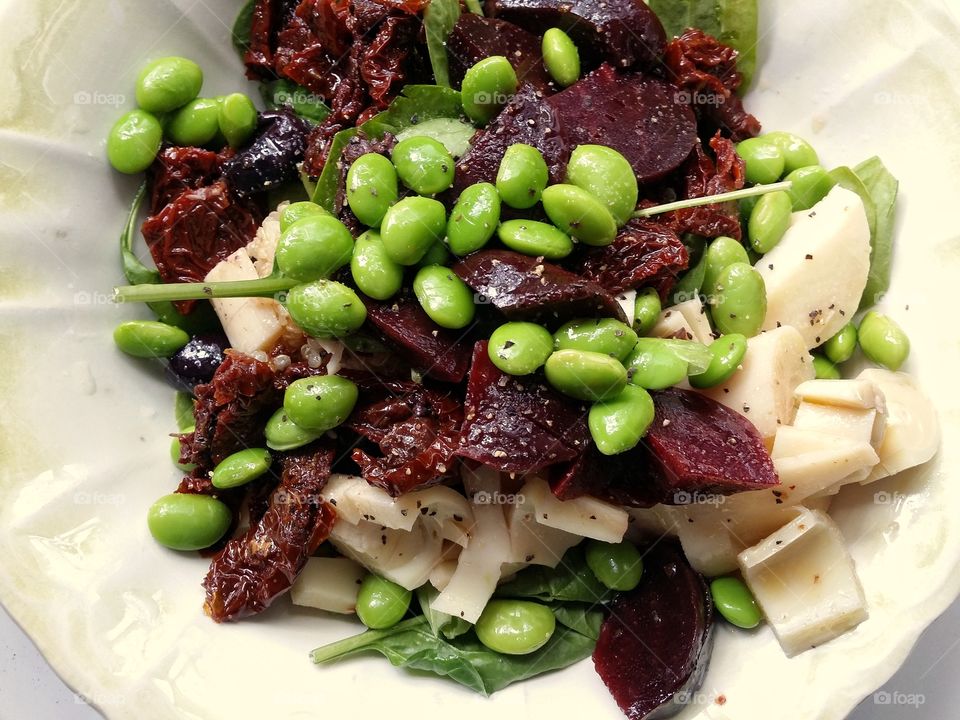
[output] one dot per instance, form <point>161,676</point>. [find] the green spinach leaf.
<point>183,411</point>
<point>439,17</point>
<point>329,181</point>
<point>241,28</point>
<point>570,581</point>
<point>474,6</point>
<point>135,271</point>
<point>584,619</point>
<point>440,623</point>
<point>883,188</point>
<point>286,93</point>
<point>415,105</point>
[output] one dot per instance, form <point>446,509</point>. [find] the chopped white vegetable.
<point>406,558</point>
<point>657,521</point>
<point>860,394</point>
<point>441,575</point>
<point>852,423</point>
<point>328,583</point>
<point>810,462</point>
<point>628,301</point>
<point>673,324</point>
<point>263,248</point>
<point>584,516</point>
<point>532,542</point>
<point>695,314</point>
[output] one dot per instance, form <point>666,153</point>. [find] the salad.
<point>506,329</point>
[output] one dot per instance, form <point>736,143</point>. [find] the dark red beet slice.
<point>655,644</point>
<point>436,352</point>
<point>527,288</point>
<point>625,33</point>
<point>619,479</point>
<point>474,38</point>
<point>518,424</point>
<point>641,117</point>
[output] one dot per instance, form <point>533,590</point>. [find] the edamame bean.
<point>515,627</point>
<point>769,220</point>
<point>473,220</point>
<point>486,88</point>
<point>182,521</point>
<point>196,123</point>
<point>654,365</point>
<point>149,338</point>
<point>175,453</point>
<point>618,424</point>
<point>411,227</point>
<point>298,211</point>
<point>797,152</point>
<point>374,273</point>
<point>134,141</point>
<point>728,352</point>
<point>823,369</point>
<point>740,305</point>
<point>561,57</point>
<point>423,164</point>
<point>522,176</point>
<point>168,83</point>
<point>578,213</point>
<point>608,176</point>
<point>604,335</point>
<point>381,603</point>
<point>436,255</point>
<point>444,297</point>
<point>241,468</point>
<point>319,403</point>
<point>841,346</point>
<point>520,348</point>
<point>619,566</point>
<point>810,185</point>
<point>326,309</point>
<point>763,161</point>
<point>371,188</point>
<point>237,118</point>
<point>883,340</point>
<point>535,238</point>
<point>735,602</point>
<point>314,247</point>
<point>585,375</point>
<point>283,434</point>
<point>721,253</point>
<point>646,310</point>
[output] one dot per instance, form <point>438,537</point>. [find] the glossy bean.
<point>769,220</point>
<point>241,467</point>
<point>319,403</point>
<point>883,340</point>
<point>474,218</point>
<point>196,123</point>
<point>437,254</point>
<point>237,119</point>
<point>796,151</point>
<point>721,253</point>
<point>515,627</point>
<point>823,369</point>
<point>168,83</point>
<point>618,424</point>
<point>841,346</point>
<point>487,87</point>
<point>740,305</point>
<point>535,238</point>
<point>580,214</point>
<point>314,247</point>
<point>326,309</point>
<point>134,141</point>
<point>423,164</point>
<point>646,310</point>
<point>810,185</point>
<point>182,521</point>
<point>522,176</point>
<point>444,297</point>
<point>604,335</point>
<point>374,273</point>
<point>763,160</point>
<point>149,338</point>
<point>654,365</point>
<point>619,566</point>
<point>560,57</point>
<point>371,188</point>
<point>411,227</point>
<point>520,348</point>
<point>381,603</point>
<point>298,211</point>
<point>735,602</point>
<point>608,176</point>
<point>728,352</point>
<point>283,434</point>
<point>585,375</point>
<point>175,448</point>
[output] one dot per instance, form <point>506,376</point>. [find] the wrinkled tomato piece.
<point>177,169</point>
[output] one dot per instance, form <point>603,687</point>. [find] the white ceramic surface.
<point>83,429</point>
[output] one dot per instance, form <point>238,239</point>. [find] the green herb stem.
<point>337,649</point>
<point>714,199</point>
<point>264,287</point>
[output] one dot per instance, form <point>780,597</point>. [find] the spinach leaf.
<point>183,410</point>
<point>328,183</point>
<point>474,6</point>
<point>416,104</point>
<point>439,17</point>
<point>847,178</point>
<point>584,619</point>
<point>286,93</point>
<point>883,188</point>
<point>570,581</point>
<point>241,28</point>
<point>454,135</point>
<point>440,623</point>
<point>135,271</point>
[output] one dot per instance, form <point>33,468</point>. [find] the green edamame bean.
<point>796,151</point>
<point>444,297</point>
<point>381,603</point>
<point>196,123</point>
<point>728,352</point>
<point>237,118</point>
<point>515,627</point>
<point>608,176</point>
<point>375,274</point>
<point>654,365</point>
<point>535,238</point>
<point>241,468</point>
<point>436,255</point>
<point>745,206</point>
<point>883,340</point>
<point>585,375</point>
<point>735,602</point>
<point>522,176</point>
<point>175,453</point>
<point>134,141</point>
<point>371,188</point>
<point>284,434</point>
<point>810,185</point>
<point>473,220</point>
<point>319,403</point>
<point>520,348</point>
<point>423,164</point>
<point>841,346</point>
<point>168,83</point>
<point>740,305</point>
<point>618,424</point>
<point>298,211</point>
<point>183,409</point>
<point>314,247</point>
<point>326,309</point>
<point>182,521</point>
<point>411,227</point>
<point>603,335</point>
<point>769,220</point>
<point>823,369</point>
<point>646,310</point>
<point>763,161</point>
<point>486,88</point>
<point>619,566</point>
<point>561,57</point>
<point>578,213</point>
<point>149,338</point>
<point>721,253</point>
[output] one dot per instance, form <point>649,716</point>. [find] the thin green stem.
<point>264,287</point>
<point>714,199</point>
<point>352,644</point>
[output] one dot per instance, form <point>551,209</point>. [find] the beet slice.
<point>518,424</point>
<point>474,38</point>
<point>618,479</point>
<point>641,117</point>
<point>625,33</point>
<point>527,288</point>
<point>655,645</point>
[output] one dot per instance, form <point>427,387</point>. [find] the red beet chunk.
<point>527,288</point>
<point>474,38</point>
<point>518,424</point>
<point>655,644</point>
<point>625,33</point>
<point>619,479</point>
<point>641,117</point>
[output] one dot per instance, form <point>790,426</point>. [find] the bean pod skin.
<point>646,310</point>
<point>883,340</point>
<point>326,309</point>
<point>604,335</point>
<point>486,88</point>
<point>796,151</point>
<point>196,123</point>
<point>769,220</point>
<point>375,274</point>
<point>474,218</point>
<point>423,164</point>
<point>168,83</point>
<point>721,253</point>
<point>585,375</point>
<point>520,348</point>
<point>522,176</point>
<point>320,403</point>
<point>580,214</point>
<point>810,185</point>
<point>535,238</point>
<point>444,297</point>
<point>298,211</point>
<point>735,602</point>
<point>515,627</point>
<point>149,338</point>
<point>655,366</point>
<point>728,352</point>
<point>283,434</point>
<point>763,160</point>
<point>823,369</point>
<point>381,604</point>
<point>411,227</point>
<point>619,566</point>
<point>134,141</point>
<point>371,188</point>
<point>841,346</point>
<point>241,468</point>
<point>314,248</point>
<point>608,176</point>
<point>561,57</point>
<point>741,302</point>
<point>183,521</point>
<point>237,119</point>
<point>619,423</point>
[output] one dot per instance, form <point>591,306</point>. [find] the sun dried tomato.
<point>177,169</point>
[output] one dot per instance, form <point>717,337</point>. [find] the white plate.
<point>83,428</point>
